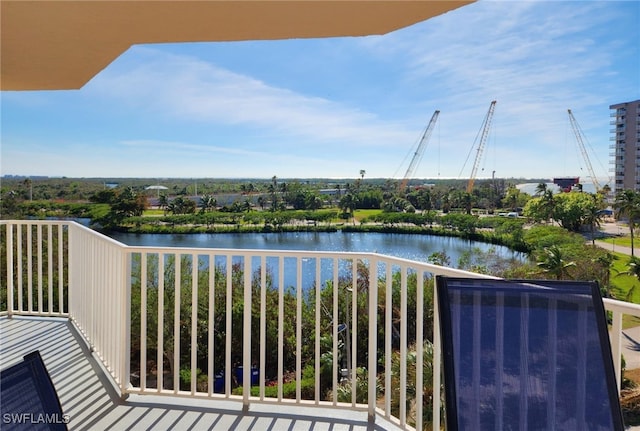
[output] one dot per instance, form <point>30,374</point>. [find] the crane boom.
<point>483,139</point>
<point>419,150</point>
<point>578,132</point>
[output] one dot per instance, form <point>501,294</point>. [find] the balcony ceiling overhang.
<point>54,45</point>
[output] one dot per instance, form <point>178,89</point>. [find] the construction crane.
<point>579,134</point>
<point>417,156</point>
<point>486,125</point>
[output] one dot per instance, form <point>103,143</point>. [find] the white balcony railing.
<point>161,317</point>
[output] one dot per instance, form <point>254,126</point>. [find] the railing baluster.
<point>352,362</point>
<point>298,262</point>
<point>335,322</point>
<point>10,285</point>
<point>143,321</point>
<point>228,329</point>
<point>194,322</point>
<point>372,397</point>
<point>176,323</point>
<point>50,269</point>
<point>246,335</point>
<point>29,268</point>
<point>403,346</point>
<point>388,330</point>
<point>616,345</point>
<point>263,323</point>
<point>160,311</point>
<point>318,309</point>
<point>19,268</point>
<point>211,372</point>
<point>39,261</point>
<point>61,296</point>
<point>419,348</point>
<point>280,325</point>
<point>437,361</point>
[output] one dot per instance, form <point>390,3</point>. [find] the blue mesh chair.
<point>28,397</point>
<point>526,355</point>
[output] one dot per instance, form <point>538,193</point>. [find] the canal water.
<point>408,246</point>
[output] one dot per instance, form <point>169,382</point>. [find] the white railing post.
<point>616,345</point>
<point>194,322</point>
<point>19,269</point>
<point>419,348</point>
<point>246,336</point>
<point>125,378</point>
<point>298,329</point>
<point>373,340</point>
<point>437,360</point>
<point>403,346</point>
<point>10,269</point>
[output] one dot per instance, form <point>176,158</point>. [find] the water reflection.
<point>414,247</point>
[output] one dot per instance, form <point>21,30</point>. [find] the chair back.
<point>526,355</point>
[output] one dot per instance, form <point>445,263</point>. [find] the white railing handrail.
<point>101,273</point>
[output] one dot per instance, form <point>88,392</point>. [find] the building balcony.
<point>200,338</point>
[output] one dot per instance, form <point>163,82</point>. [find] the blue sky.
<point>331,107</point>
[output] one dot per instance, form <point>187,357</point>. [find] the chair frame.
<point>576,287</point>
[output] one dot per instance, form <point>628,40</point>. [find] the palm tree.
<point>591,217</point>
<point>273,191</point>
<point>605,261</point>
<point>207,203</point>
<point>261,202</point>
<point>246,205</point>
<point>29,184</point>
<point>554,263</point>
<point>605,190</point>
<point>548,204</point>
<point>628,205</point>
<point>359,180</point>
<point>541,189</point>
<point>633,270</point>
<point>163,201</point>
<point>348,204</point>
<point>466,199</point>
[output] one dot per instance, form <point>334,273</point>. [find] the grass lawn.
<point>622,285</point>
<point>153,213</point>
<point>629,321</point>
<point>360,214</point>
<point>624,241</point>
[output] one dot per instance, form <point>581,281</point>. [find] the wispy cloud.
<point>178,147</point>
<point>197,91</point>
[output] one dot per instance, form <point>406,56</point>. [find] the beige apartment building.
<point>625,146</point>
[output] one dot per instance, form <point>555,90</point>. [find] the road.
<point>630,336</point>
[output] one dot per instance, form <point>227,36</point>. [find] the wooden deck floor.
<point>91,402</point>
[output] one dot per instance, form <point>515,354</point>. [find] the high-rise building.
<point>625,138</point>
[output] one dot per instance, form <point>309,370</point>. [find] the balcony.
<point>186,338</point>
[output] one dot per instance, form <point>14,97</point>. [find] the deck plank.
<point>92,403</point>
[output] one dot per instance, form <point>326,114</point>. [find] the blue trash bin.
<point>255,376</point>
<point>218,383</point>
